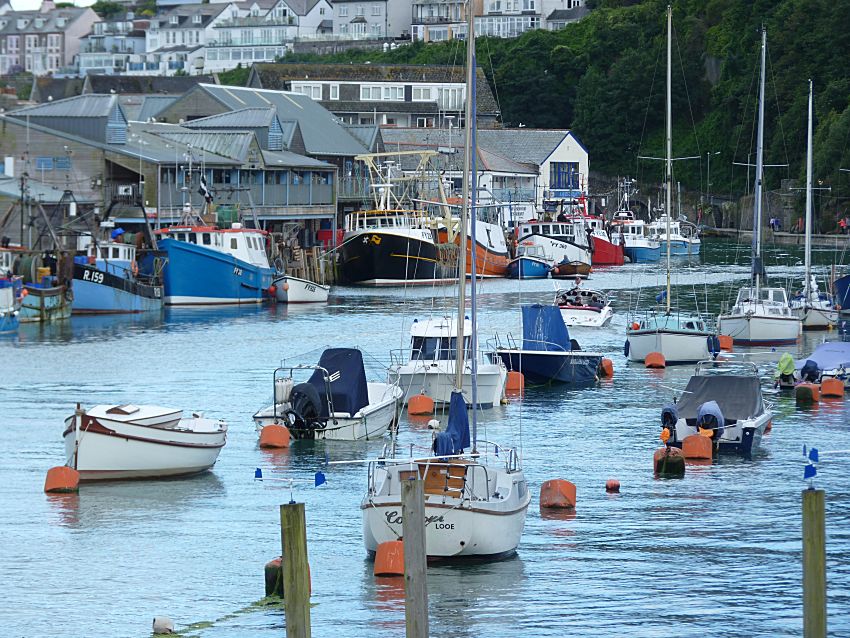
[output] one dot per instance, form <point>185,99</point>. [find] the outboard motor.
<point>710,417</point>
<point>809,372</point>
<point>305,412</point>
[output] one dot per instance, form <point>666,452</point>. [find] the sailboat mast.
<point>668,208</point>
<point>471,125</point>
<point>464,210</point>
<point>806,284</point>
<point>757,266</point>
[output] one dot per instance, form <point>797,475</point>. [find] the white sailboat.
<point>761,315</point>
<point>681,337</point>
<point>475,504</point>
<point>814,308</point>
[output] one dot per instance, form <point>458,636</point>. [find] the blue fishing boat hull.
<point>197,275</point>
<point>527,268</point>
<point>678,247</point>
<point>8,324</point>
<point>539,367</point>
<point>99,292</point>
<point>641,254</point>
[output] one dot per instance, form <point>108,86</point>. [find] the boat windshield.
<point>436,348</point>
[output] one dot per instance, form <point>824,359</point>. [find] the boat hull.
<point>45,305</point>
<point>556,250</point>
<point>586,317</point>
<point>540,367</point>
<point>490,250</point>
<point>528,268</point>
<point>451,532</point>
<point>380,258</point>
<point>571,269</point>
<point>742,438</point>
<point>817,318</point>
<point>643,254</point>
<point>438,381</point>
<point>680,247</point>
<point>197,275</point>
<point>99,292</point>
<point>109,450</point>
<point>290,289</point>
<point>606,253</point>
<point>759,330</point>
<point>678,347</point>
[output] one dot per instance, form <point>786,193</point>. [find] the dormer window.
<point>60,22</point>
<point>196,19</point>
<point>39,23</point>
<point>173,20</point>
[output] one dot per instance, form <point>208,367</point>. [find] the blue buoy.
<point>258,474</point>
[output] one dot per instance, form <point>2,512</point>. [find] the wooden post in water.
<point>814,565</point>
<point>296,577</point>
<point>415,583</point>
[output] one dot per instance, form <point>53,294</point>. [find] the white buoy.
<point>163,625</point>
<point>433,424</point>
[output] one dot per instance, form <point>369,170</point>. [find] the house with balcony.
<point>176,39</point>
<point>438,20</point>
<point>264,30</point>
<point>110,45</point>
<point>403,95</point>
<point>43,41</point>
<point>371,19</point>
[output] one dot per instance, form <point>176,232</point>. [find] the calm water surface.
<point>715,554</point>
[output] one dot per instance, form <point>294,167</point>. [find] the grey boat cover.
<point>828,356</point>
<point>737,397</point>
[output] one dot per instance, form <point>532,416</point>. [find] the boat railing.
<point>711,366</point>
<point>404,356</point>
<point>513,344</point>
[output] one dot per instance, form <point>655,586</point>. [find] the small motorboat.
<point>726,398</point>
<point>548,354</point>
<point>10,303</point>
<point>289,289</point>
<point>336,403</point>
<point>584,307</point>
<point>530,262</point>
<point>830,360</point>
<point>568,269</point>
<point>140,441</point>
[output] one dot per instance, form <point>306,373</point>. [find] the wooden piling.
<point>296,577</point>
<point>415,583</point>
<point>814,565</point>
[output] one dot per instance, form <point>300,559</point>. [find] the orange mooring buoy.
<point>274,436</point>
<point>389,559</point>
<point>62,480</point>
<point>668,462</point>
<point>655,360</point>
<point>807,393</point>
<point>515,382</point>
<point>420,404</point>
<point>697,446</point>
<point>606,368</point>
<point>612,486</point>
<point>558,494</point>
<point>832,388</point>
<point>726,342</point>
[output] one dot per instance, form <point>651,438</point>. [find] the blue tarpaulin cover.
<point>709,416</point>
<point>842,291</point>
<point>669,414</point>
<point>456,436</point>
<point>349,390</point>
<point>828,356</point>
<point>543,328</point>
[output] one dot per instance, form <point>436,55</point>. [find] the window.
<point>421,93</point>
<point>393,93</point>
<point>313,91</point>
<point>451,99</point>
<point>234,244</point>
<point>207,239</point>
<point>376,9</point>
<point>368,93</point>
<point>425,122</point>
<point>322,11</point>
<point>334,91</point>
<point>196,19</point>
<point>343,12</point>
<point>376,28</point>
<point>563,175</point>
<point>529,5</point>
<point>343,28</point>
<point>360,10</point>
<point>173,20</point>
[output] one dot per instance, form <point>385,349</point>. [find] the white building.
<point>371,19</point>
<point>111,44</point>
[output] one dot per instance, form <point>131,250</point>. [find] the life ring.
<point>134,268</point>
<point>68,294</point>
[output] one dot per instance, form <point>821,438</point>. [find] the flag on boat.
<point>204,191</point>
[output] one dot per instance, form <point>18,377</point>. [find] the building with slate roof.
<point>43,41</point>
<point>375,19</point>
<point>323,136</point>
<point>402,95</point>
<point>88,145</point>
<point>522,165</point>
<point>176,38</point>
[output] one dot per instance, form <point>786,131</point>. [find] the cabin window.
<point>545,230</point>
<point>192,238</point>
<point>206,239</point>
<point>114,252</point>
<point>233,243</point>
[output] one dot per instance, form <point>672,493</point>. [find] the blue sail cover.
<point>828,356</point>
<point>543,328</point>
<point>842,291</point>
<point>348,387</point>
<point>456,436</point>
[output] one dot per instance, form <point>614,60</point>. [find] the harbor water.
<point>717,553</point>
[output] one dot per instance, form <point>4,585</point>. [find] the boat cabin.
<point>383,220</point>
<point>436,339</point>
<point>531,250</point>
<point>112,251</point>
<point>581,298</point>
<point>246,244</point>
<point>775,300</point>
<point>554,230</point>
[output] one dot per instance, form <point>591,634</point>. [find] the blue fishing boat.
<point>548,354</point>
<point>107,280</point>
<point>530,263</point>
<point>205,265</point>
